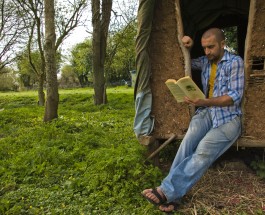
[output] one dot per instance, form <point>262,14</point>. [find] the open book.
<point>184,87</point>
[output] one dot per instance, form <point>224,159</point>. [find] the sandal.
<point>162,199</point>
<point>174,204</point>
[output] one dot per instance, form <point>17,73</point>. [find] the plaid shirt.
<point>229,81</point>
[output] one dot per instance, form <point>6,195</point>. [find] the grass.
<point>88,161</point>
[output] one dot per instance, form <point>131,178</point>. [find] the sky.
<point>77,36</point>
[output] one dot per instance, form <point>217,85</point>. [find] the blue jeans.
<point>200,147</point>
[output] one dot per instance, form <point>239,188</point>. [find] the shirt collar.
<point>225,57</point>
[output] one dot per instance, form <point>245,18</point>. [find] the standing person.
<point>215,126</point>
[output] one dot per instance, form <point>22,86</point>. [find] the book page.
<point>175,90</point>
<point>190,89</point>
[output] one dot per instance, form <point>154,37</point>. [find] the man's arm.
<point>220,101</point>
<point>234,89</point>
<point>188,43</point>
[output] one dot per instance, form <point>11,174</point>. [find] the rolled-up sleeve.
<point>236,81</point>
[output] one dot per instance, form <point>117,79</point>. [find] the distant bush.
<point>8,82</point>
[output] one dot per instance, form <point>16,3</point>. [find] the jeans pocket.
<point>232,129</point>
<point>200,114</point>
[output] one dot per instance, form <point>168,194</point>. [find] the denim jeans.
<point>200,147</point>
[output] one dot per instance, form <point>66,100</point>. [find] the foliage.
<point>121,53</point>
<point>231,38</point>
<point>82,62</point>
<point>27,75</point>
<point>68,77</point>
<point>86,162</point>
<point>8,80</point>
<point>120,57</point>
<point>259,166</point>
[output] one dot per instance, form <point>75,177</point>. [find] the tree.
<point>67,18</point>
<point>101,13</point>
<point>11,31</point>
<point>32,13</point>
<point>51,106</point>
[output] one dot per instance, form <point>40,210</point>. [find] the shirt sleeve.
<point>196,63</point>
<point>236,80</point>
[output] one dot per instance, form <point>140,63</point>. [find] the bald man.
<point>215,126</point>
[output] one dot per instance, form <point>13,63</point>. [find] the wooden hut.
<point>160,56</point>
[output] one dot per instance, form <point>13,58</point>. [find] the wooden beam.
<point>185,51</point>
<point>249,142</point>
<point>162,146</point>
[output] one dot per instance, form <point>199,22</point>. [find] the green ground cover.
<point>86,162</point>
<point>89,161</point>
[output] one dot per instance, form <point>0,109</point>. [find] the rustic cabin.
<point>160,55</point>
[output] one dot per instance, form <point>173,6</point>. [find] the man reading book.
<point>214,127</point>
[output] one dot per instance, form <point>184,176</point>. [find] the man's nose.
<point>207,51</point>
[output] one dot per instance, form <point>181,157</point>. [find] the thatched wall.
<point>254,106</point>
<point>167,61</point>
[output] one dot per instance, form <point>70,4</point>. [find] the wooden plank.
<point>249,142</point>
<point>151,149</point>
<point>167,136</point>
<point>247,57</point>
<point>180,30</point>
<point>162,146</point>
<point>185,51</point>
<point>241,142</point>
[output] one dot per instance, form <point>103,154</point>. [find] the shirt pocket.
<point>222,84</point>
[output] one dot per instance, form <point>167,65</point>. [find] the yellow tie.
<point>211,79</point>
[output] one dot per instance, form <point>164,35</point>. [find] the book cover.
<point>184,87</point>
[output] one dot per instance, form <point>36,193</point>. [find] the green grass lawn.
<point>88,161</point>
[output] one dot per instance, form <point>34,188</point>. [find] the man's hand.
<point>195,102</point>
<point>187,42</point>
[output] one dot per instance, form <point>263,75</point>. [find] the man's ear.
<point>222,44</point>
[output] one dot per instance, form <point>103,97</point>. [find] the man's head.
<point>213,42</point>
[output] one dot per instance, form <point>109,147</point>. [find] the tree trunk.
<point>41,94</point>
<point>100,22</point>
<point>52,101</point>
<point>40,74</point>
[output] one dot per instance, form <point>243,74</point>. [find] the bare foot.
<point>169,207</point>
<point>155,196</point>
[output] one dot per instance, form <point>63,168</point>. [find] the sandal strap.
<point>161,198</point>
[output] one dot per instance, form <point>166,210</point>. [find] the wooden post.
<point>185,51</point>
<point>151,149</point>
<point>173,136</point>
